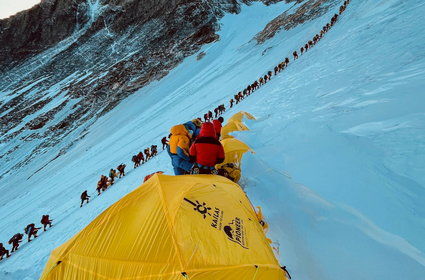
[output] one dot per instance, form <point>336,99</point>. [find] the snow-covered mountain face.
<point>339,138</point>
<point>65,63</point>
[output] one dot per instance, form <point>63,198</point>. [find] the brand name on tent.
<point>217,218</point>
<point>235,232</point>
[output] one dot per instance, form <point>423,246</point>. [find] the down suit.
<point>207,151</point>
<point>217,126</point>
<point>193,127</point>
<point>178,149</point>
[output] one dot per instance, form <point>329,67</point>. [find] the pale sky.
<point>11,7</point>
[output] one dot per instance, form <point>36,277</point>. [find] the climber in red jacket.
<point>206,151</point>
<point>217,126</point>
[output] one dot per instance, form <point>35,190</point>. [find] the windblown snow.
<point>339,141</point>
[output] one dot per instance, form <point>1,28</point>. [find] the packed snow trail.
<point>339,139</point>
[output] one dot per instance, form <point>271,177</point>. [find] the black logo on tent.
<point>200,207</point>
<point>235,232</point>
<point>216,214</point>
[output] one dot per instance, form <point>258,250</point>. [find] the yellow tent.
<point>234,150</point>
<point>196,227</point>
<point>239,116</point>
<point>232,126</point>
<point>235,124</point>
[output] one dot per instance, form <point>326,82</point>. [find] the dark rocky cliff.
<point>34,30</point>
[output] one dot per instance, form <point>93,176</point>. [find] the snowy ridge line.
<point>280,67</point>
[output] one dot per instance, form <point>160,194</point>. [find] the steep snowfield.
<point>339,144</point>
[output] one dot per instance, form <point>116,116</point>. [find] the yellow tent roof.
<point>239,116</point>
<point>234,145</point>
<point>234,149</point>
<point>172,227</point>
<point>232,126</point>
<point>235,124</point>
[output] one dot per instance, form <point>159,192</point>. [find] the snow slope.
<point>339,144</point>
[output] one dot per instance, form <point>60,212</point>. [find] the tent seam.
<point>169,222</point>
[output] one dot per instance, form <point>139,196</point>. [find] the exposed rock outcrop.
<point>309,10</point>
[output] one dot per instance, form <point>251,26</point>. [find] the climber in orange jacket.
<point>178,149</point>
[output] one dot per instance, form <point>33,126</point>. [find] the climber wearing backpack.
<point>178,149</point>
<point>3,252</point>
<point>15,240</point>
<point>164,142</point>
<point>45,221</point>
<point>99,187</point>
<point>104,181</point>
<point>121,170</point>
<point>217,126</point>
<point>237,98</point>
<point>206,151</point>
<point>136,160</point>
<point>112,175</point>
<point>102,185</point>
<point>31,230</point>
<point>84,197</point>
<point>221,109</point>
<point>154,150</point>
<point>140,158</point>
<point>147,154</point>
<point>261,81</point>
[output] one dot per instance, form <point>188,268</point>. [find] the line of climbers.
<point>194,146</point>
<point>30,230</point>
<point>105,181</point>
<point>218,111</point>
<point>182,161</point>
<point>282,65</point>
<point>148,154</point>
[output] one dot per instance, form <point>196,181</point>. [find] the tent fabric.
<point>235,124</point>
<point>232,126</point>
<point>233,151</point>
<point>240,115</point>
<point>234,145</point>
<point>171,227</point>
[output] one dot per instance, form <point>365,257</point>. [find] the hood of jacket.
<point>207,130</point>
<point>179,130</point>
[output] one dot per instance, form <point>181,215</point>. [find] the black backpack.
<point>27,229</point>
